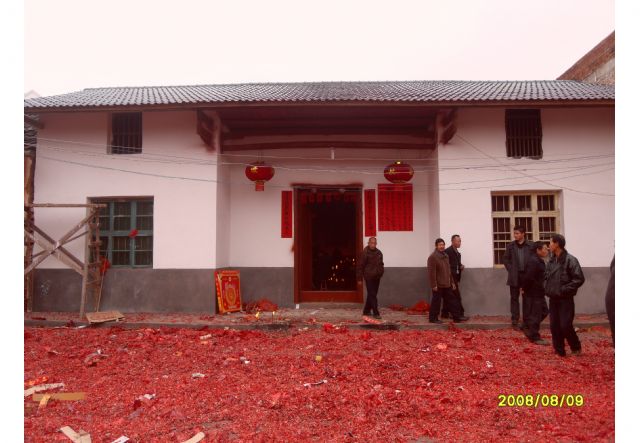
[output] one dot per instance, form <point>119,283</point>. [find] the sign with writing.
<point>228,291</point>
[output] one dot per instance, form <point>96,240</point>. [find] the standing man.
<point>455,262</point>
<point>563,278</point>
<point>610,300</point>
<point>515,259</point>
<point>534,305</point>
<point>371,267</point>
<point>442,284</point>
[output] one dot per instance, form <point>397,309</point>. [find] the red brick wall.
<point>597,66</point>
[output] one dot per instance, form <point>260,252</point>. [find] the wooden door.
<point>313,233</point>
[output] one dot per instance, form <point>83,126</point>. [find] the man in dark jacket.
<point>563,278</point>
<point>534,305</point>
<point>371,268</point>
<point>455,262</point>
<point>515,259</point>
<point>610,300</point>
<point>442,283</point>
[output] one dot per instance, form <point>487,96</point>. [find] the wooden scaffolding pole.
<point>29,169</point>
<point>89,268</point>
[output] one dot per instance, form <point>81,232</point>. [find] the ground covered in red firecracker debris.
<point>330,384</point>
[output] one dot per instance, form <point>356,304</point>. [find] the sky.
<point>75,44</point>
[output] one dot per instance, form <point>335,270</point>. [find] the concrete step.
<point>329,305</point>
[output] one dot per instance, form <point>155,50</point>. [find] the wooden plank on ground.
<point>196,438</point>
<point>76,437</point>
<point>45,387</point>
<point>101,317</point>
<point>67,396</point>
<point>44,401</point>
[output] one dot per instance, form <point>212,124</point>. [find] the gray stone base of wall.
<point>484,291</point>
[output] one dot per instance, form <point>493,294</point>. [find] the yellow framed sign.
<point>228,291</point>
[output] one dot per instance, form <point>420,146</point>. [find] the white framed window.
<point>537,211</point>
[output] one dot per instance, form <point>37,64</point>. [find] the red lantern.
<point>259,173</point>
<point>398,172</point>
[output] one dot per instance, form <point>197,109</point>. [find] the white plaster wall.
<point>465,202</point>
<point>221,221</point>
<point>184,210</point>
<point>255,216</point>
<point>223,215</point>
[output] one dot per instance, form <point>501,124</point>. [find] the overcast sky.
<point>76,44</point>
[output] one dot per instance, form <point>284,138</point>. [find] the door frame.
<point>321,296</point>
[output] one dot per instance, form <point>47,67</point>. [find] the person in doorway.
<point>515,259</point>
<point>534,305</point>
<point>442,285</point>
<point>455,262</point>
<point>371,268</point>
<point>610,300</point>
<point>563,278</point>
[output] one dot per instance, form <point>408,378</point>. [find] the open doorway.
<point>328,240</point>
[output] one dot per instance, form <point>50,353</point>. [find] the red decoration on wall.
<point>369,212</point>
<point>395,207</point>
<point>133,233</point>
<point>104,265</point>
<point>287,215</point>
<point>259,172</point>
<point>398,172</point>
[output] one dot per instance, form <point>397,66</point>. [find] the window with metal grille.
<point>126,133</point>
<point>524,133</point>
<point>537,212</point>
<point>126,232</point>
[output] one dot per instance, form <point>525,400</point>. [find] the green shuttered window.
<point>126,232</point>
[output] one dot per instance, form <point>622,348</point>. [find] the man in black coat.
<point>455,262</point>
<point>371,268</point>
<point>610,300</point>
<point>534,305</point>
<point>515,259</point>
<point>563,278</point>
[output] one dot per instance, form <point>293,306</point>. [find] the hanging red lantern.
<point>259,172</point>
<point>398,172</point>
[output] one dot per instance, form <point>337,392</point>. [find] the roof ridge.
<point>417,91</point>
<point>326,82</point>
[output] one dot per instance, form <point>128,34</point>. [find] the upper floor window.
<point>126,133</point>
<point>524,133</point>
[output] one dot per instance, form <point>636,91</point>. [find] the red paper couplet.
<point>287,215</point>
<point>395,207</point>
<point>369,212</point>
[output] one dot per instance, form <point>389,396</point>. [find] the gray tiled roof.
<point>397,91</point>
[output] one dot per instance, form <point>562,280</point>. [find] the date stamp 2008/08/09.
<point>540,400</point>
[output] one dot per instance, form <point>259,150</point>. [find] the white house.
<point>170,162</point>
